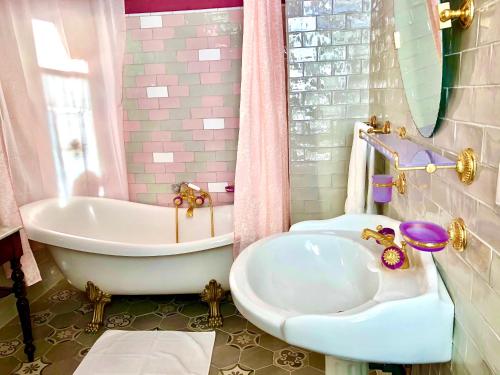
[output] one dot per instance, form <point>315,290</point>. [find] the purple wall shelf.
<point>407,155</point>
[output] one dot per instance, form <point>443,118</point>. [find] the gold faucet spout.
<point>385,240</point>
<point>190,211</point>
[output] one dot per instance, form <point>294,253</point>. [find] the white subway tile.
<point>148,22</point>
<point>157,92</point>
<point>211,54</point>
<point>217,187</point>
<point>213,123</point>
<point>163,157</point>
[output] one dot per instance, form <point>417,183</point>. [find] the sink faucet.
<point>385,237</point>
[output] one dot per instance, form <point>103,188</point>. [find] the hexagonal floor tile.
<point>272,370</point>
<point>244,339</point>
<point>256,357</point>
<point>291,358</point>
<point>236,370</point>
<point>224,356</point>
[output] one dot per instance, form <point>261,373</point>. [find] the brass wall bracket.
<point>400,183</point>
<point>465,14</point>
<point>458,234</point>
<point>467,166</point>
<point>375,128</point>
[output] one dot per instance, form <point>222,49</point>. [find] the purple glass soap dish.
<point>424,236</point>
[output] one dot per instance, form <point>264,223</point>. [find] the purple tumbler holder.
<point>382,188</point>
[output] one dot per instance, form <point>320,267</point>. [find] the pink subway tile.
<point>225,177</point>
<point>132,196</point>
<point>163,33</point>
<point>170,102</point>
<point>152,146</point>
<point>210,78</point>
<point>172,20</point>
<point>131,126</point>
<point>154,168</point>
<point>198,66</point>
<point>192,124</point>
<point>225,134</point>
<point>130,178</point>
<point>161,135</point>
<point>138,188</point>
<point>133,23</point>
<point>126,136</point>
<point>236,88</point>
<point>206,177</point>
<point>175,167</point>
<point>141,34</point>
<point>165,178</point>
<point>219,41</point>
<point>142,157</point>
<point>145,80</point>
<point>232,123</point>
<point>203,112</point>
<point>134,92</point>
<point>231,53</point>
<point>153,45</point>
<point>196,43</point>
<point>203,135</point>
<point>125,115</point>
<point>187,55</point>
<point>158,114</point>
<point>128,58</point>
<point>212,101</point>
<point>224,198</point>
<point>236,16</point>
<point>215,145</point>
<point>220,66</point>
<point>165,199</point>
<point>173,146</point>
<point>223,112</point>
<point>178,91</point>
<point>148,103</point>
<point>167,79</point>
<point>154,68</point>
<point>216,166</point>
<point>207,30</point>
<point>183,157</point>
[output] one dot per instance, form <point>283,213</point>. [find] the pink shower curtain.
<point>61,74</point>
<point>262,185</point>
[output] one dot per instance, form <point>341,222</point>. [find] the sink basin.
<point>323,288</point>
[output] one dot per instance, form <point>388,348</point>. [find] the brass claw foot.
<point>213,294</point>
<point>99,299</point>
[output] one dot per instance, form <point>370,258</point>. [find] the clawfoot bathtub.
<point>109,247</point>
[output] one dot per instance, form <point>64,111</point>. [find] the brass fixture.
<point>386,240</point>
<point>402,132</point>
<point>213,294</point>
<point>385,129</point>
<point>195,197</point>
<point>458,234</point>
<point>465,14</point>
<point>466,165</point>
<point>99,300</point>
<point>399,183</point>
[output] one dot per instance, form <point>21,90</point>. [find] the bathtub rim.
<point>75,242</point>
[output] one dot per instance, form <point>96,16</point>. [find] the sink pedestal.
<point>336,366</point>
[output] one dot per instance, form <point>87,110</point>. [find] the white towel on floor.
<point>149,352</point>
<point>359,186</point>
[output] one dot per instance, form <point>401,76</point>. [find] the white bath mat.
<point>149,353</point>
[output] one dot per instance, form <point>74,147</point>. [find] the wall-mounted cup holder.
<point>383,184</point>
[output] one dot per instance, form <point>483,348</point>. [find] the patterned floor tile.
<point>60,316</point>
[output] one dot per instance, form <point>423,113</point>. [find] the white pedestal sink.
<point>323,288</point>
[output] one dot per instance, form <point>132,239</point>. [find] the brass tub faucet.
<point>195,197</point>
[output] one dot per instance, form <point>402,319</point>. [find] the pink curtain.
<point>61,74</point>
<point>262,184</point>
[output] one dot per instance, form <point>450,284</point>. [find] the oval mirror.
<point>420,53</point>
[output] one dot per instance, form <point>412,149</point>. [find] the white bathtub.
<point>129,248</point>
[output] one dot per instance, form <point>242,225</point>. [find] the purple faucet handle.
<point>393,257</point>
<point>385,232</point>
<point>230,188</point>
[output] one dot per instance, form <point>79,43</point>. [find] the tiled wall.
<point>182,79</point>
<point>472,120</point>
<point>328,51</point>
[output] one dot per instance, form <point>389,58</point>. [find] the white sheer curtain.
<point>61,76</point>
<point>60,100</point>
